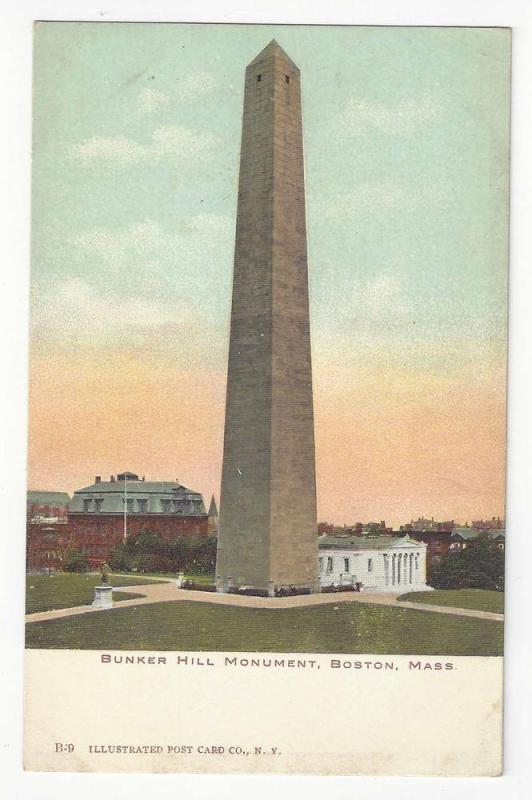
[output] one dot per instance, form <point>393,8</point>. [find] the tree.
<point>74,561</point>
<point>479,566</point>
<point>150,552</point>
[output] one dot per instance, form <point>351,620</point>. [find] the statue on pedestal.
<point>105,570</point>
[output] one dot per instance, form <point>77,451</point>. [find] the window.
<point>287,78</point>
<point>346,565</point>
<point>370,565</point>
<point>165,504</point>
<point>329,565</point>
<point>259,78</point>
<point>98,504</point>
<point>87,505</point>
<point>143,506</point>
<point>129,505</point>
<point>320,562</point>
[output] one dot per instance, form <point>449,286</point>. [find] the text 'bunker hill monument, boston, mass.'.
<point>268,518</point>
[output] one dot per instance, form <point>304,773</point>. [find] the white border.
<point>15,28</point>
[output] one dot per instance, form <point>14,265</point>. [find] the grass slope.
<point>346,628</point>
<point>480,599</point>
<point>65,590</point>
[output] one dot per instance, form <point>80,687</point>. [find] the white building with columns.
<point>379,563</point>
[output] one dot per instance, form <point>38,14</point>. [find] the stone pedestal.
<point>179,580</point>
<point>271,589</point>
<point>103,597</point>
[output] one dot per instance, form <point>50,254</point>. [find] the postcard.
<point>267,403</point>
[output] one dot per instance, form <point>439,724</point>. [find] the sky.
<point>136,139</point>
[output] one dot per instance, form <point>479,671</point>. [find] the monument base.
<point>103,597</point>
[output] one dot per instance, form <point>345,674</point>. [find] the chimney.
<point>98,479</point>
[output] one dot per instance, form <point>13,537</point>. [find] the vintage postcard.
<point>267,414</point>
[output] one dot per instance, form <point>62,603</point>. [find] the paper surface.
<point>410,719</point>
<point>254,665</point>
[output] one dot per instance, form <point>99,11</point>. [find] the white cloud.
<point>170,143</point>
<point>141,243</point>
<point>403,118</point>
<point>195,85</point>
<point>117,150</point>
<point>84,308</point>
<point>151,100</point>
<point>147,247</point>
<point>129,283</point>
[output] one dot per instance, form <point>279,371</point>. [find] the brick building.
<point>101,515</point>
<point>46,544</point>
<point>46,529</point>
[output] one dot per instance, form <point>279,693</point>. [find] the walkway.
<point>168,592</point>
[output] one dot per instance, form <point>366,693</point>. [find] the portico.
<point>379,563</point>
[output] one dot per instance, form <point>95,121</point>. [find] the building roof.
<point>44,498</point>
<point>475,533</point>
<point>137,487</point>
<point>367,542</point>
<point>151,497</point>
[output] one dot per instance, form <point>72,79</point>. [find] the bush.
<point>479,566</point>
<point>75,561</point>
<point>150,552</point>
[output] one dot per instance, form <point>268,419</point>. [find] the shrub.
<point>75,561</point>
<point>150,552</point>
<point>479,566</point>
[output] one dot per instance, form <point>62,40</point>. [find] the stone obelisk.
<point>268,522</point>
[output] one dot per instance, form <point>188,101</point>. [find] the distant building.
<point>438,545</point>
<point>42,505</point>
<point>371,528</point>
<point>357,529</point>
<point>46,544</point>
<point>463,535</point>
<point>46,529</point>
<point>325,528</point>
<point>424,524</point>
<point>493,524</point>
<point>379,563</point>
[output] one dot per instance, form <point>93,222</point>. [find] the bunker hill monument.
<point>268,519</point>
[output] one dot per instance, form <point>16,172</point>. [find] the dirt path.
<point>168,592</point>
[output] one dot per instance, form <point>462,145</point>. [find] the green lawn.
<point>345,628</point>
<point>480,599</point>
<point>68,589</point>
